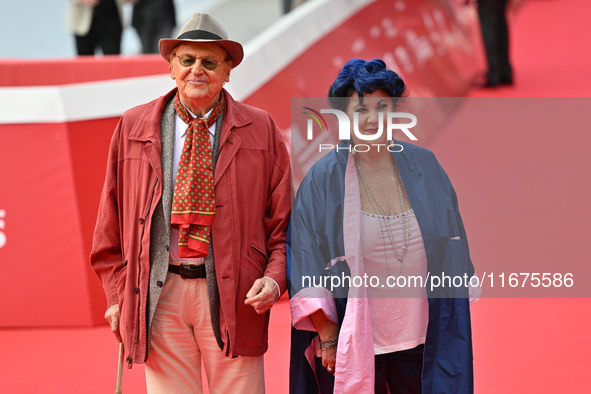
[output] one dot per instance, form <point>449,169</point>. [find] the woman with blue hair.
<point>364,223</point>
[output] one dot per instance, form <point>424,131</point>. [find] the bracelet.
<point>325,345</point>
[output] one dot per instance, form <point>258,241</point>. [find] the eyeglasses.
<point>208,63</point>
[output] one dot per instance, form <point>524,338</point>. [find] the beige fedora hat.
<point>203,28</point>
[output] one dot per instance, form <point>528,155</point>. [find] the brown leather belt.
<point>187,271</point>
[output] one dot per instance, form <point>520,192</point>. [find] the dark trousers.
<point>396,373</point>
<point>495,34</point>
<point>399,372</point>
<point>150,34</point>
<point>153,20</point>
<point>105,33</point>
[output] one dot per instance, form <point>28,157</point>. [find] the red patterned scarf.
<point>193,203</point>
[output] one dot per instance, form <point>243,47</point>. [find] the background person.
<point>190,237</point>
<point>96,24</point>
<point>381,214</point>
<point>153,19</point>
<point>495,34</point>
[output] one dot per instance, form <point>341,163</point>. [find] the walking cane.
<point>119,370</point>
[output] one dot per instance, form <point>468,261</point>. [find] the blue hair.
<point>363,76</point>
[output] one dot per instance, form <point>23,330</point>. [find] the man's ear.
<point>172,75</point>
<point>227,78</point>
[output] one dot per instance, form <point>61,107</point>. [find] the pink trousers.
<point>182,338</point>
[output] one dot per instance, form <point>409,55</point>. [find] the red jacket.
<point>253,198</point>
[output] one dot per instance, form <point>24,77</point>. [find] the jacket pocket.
<point>256,261</point>
<point>121,281</point>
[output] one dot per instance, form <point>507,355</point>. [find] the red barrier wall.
<point>81,69</point>
<point>435,47</point>
<point>51,181</point>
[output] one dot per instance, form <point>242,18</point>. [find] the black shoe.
<point>492,82</point>
<point>506,80</point>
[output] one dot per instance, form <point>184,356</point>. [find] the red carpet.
<point>532,345</point>
<point>84,360</point>
<point>520,345</point>
<point>539,345</point>
<point>550,46</point>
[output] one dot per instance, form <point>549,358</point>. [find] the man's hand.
<point>112,316</point>
<point>262,295</point>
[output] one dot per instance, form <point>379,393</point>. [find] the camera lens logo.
<point>315,115</point>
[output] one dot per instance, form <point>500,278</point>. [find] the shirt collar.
<point>184,132</point>
<point>193,115</point>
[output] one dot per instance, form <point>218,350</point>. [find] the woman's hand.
<point>329,358</point>
<point>328,331</point>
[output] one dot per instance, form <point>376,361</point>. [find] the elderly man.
<point>190,237</point>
